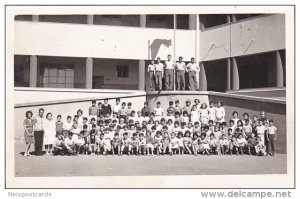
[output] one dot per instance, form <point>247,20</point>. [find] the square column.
<point>90,19</point>
<point>33,71</point>
<point>35,17</point>
<point>203,80</point>
<point>89,73</point>
<point>279,70</point>
<point>228,74</point>
<point>235,75</point>
<point>141,74</point>
<point>143,21</point>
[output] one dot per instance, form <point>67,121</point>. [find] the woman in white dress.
<point>49,133</point>
<point>204,114</point>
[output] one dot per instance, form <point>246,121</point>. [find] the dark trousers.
<point>193,83</point>
<point>267,143</point>
<point>169,79</point>
<point>158,80</point>
<point>38,142</point>
<point>152,80</point>
<point>180,80</point>
<point>272,143</point>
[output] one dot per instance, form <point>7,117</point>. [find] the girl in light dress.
<point>187,141</point>
<point>195,144</point>
<point>211,111</point>
<point>220,112</point>
<point>194,114</point>
<point>28,132</point>
<point>49,128</point>
<point>204,114</point>
<point>204,144</point>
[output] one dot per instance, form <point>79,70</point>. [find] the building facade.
<point>234,51</point>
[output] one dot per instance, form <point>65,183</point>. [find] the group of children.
<point>192,129</point>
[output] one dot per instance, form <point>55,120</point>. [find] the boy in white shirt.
<point>272,136</point>
<point>68,125</point>
<point>158,111</point>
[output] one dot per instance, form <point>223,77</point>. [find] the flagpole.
<point>174,51</point>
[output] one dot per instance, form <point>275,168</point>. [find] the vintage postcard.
<point>150,96</point>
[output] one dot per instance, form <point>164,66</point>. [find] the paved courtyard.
<point>84,165</point>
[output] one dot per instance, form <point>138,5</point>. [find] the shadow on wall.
<point>154,47</point>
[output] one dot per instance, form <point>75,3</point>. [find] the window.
<point>58,76</point>
<point>122,71</point>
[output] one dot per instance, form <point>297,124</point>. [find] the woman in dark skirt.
<point>28,133</point>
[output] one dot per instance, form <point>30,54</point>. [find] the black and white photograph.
<point>149,96</point>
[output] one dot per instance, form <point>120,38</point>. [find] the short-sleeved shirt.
<point>135,142</point>
<point>193,67</point>
<point>188,109</point>
<point>38,123</point>
<point>159,67</point>
<point>158,111</point>
<point>261,129</point>
<point>126,142</point>
<point>116,108</point>
<point>28,123</point>
<point>272,130</point>
<point>122,111</point>
<point>151,67</point>
<point>169,65</point>
<point>128,111</point>
<point>180,66</point>
<point>247,128</point>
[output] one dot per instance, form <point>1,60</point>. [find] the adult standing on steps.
<point>169,73</point>
<point>38,132</point>
<point>159,73</point>
<point>151,71</point>
<point>180,74</point>
<point>193,69</point>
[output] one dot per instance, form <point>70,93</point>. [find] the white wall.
<point>79,40</point>
<point>66,109</point>
<point>265,34</point>
<point>40,95</point>
<point>250,36</point>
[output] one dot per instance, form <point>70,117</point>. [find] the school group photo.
<point>193,128</point>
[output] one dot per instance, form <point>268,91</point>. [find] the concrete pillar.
<point>35,17</point>
<point>235,75</point>
<point>279,70</point>
<point>89,73</point>
<point>143,21</point>
<point>194,24</point>
<point>192,21</point>
<point>201,22</point>
<point>141,74</point>
<point>228,18</point>
<point>33,71</point>
<point>90,19</point>
<point>228,74</point>
<point>233,18</point>
<point>203,80</point>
